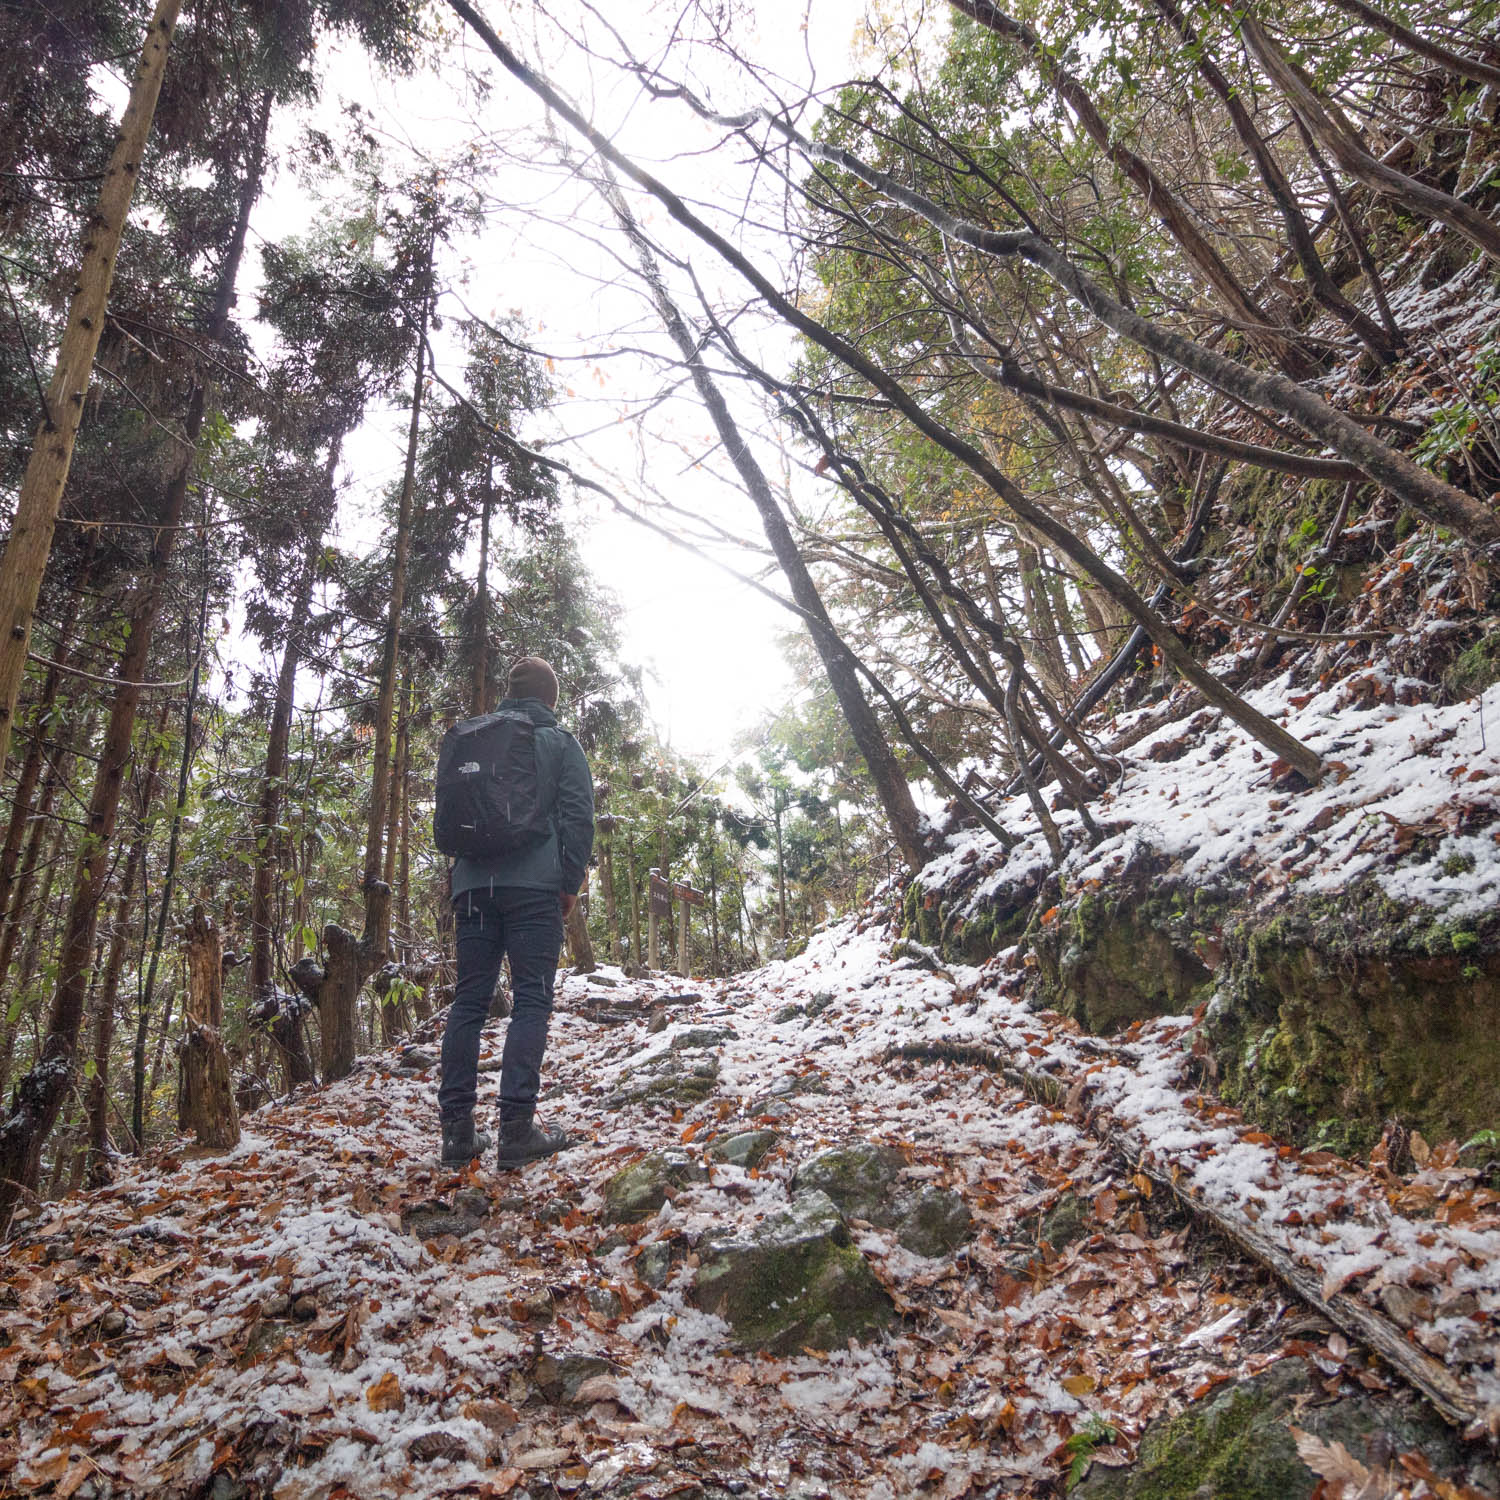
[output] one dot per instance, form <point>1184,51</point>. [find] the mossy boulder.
<point>674,1078</point>
<point>1141,948</point>
<point>964,929</point>
<point>1345,1011</point>
<point>655,1262</point>
<point>858,1178</point>
<point>637,1191</point>
<point>866,1182</point>
<point>702,1038</point>
<point>793,1281</point>
<point>929,1220</point>
<point>1070,1219</point>
<point>1238,1445</point>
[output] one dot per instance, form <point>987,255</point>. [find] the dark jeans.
<point>527,925</point>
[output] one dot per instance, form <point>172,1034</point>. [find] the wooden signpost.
<point>658,905</point>
<point>687,898</point>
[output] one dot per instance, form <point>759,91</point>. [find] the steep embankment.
<point>784,1260</point>
<point>1343,938</point>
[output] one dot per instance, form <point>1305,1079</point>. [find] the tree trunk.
<point>713,912</point>
<point>20,895</point>
<point>635,906</point>
<point>398,779</point>
<point>377,907</point>
<point>885,773</point>
<point>98,1169</point>
<point>776,810</point>
<point>607,889</point>
<point>30,542</point>
<point>105,1010</point>
<point>29,776</point>
<point>479,645</point>
<point>1169,210</point>
<point>1342,142</point>
<point>403,867</point>
<point>169,879</point>
<point>205,1091</point>
<point>580,949</point>
<point>1299,236</point>
<point>270,849</point>
<point>351,961</point>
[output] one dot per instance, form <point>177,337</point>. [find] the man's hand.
<point>567,903</point>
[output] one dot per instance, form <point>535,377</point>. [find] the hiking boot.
<point>522,1141</point>
<point>462,1143</point>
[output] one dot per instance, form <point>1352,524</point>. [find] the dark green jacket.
<point>561,860</point>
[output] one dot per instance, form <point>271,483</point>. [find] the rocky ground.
<point>783,1260</point>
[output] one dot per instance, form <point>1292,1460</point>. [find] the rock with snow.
<point>747,1149</point>
<point>866,1182</point>
<point>676,1077</point>
<point>1238,1443</point>
<point>639,1190</point>
<point>559,1376</point>
<point>702,1038</point>
<point>792,1281</point>
<point>433,1219</point>
<point>859,1178</point>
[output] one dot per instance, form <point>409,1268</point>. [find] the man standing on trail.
<point>518,769</point>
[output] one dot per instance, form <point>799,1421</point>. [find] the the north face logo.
<point>468,768</point>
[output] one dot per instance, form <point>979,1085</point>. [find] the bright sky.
<point>707,641</point>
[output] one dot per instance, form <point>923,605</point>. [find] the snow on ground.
<point>1209,799</point>
<point>281,1307</point>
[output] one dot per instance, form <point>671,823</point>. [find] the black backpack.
<point>489,795</point>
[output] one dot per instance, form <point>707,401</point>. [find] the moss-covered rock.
<point>1327,1015</point>
<point>930,1220</point>
<point>1142,947</point>
<point>791,1282</point>
<point>1238,1444</point>
<point>966,930</point>
<point>1344,1011</point>
<point>702,1038</point>
<point>675,1078</point>
<point>858,1178</point>
<point>654,1264</point>
<point>1069,1219</point>
<point>637,1191</point>
<point>866,1182</point>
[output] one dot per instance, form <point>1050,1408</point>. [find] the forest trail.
<point>324,1312</point>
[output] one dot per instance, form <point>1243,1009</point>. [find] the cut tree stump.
<point>205,1091</point>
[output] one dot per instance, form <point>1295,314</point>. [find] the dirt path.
<point>665,1310</point>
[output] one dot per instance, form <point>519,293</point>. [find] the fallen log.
<point>1448,1396</point>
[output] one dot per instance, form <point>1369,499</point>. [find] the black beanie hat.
<point>531,677</point>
